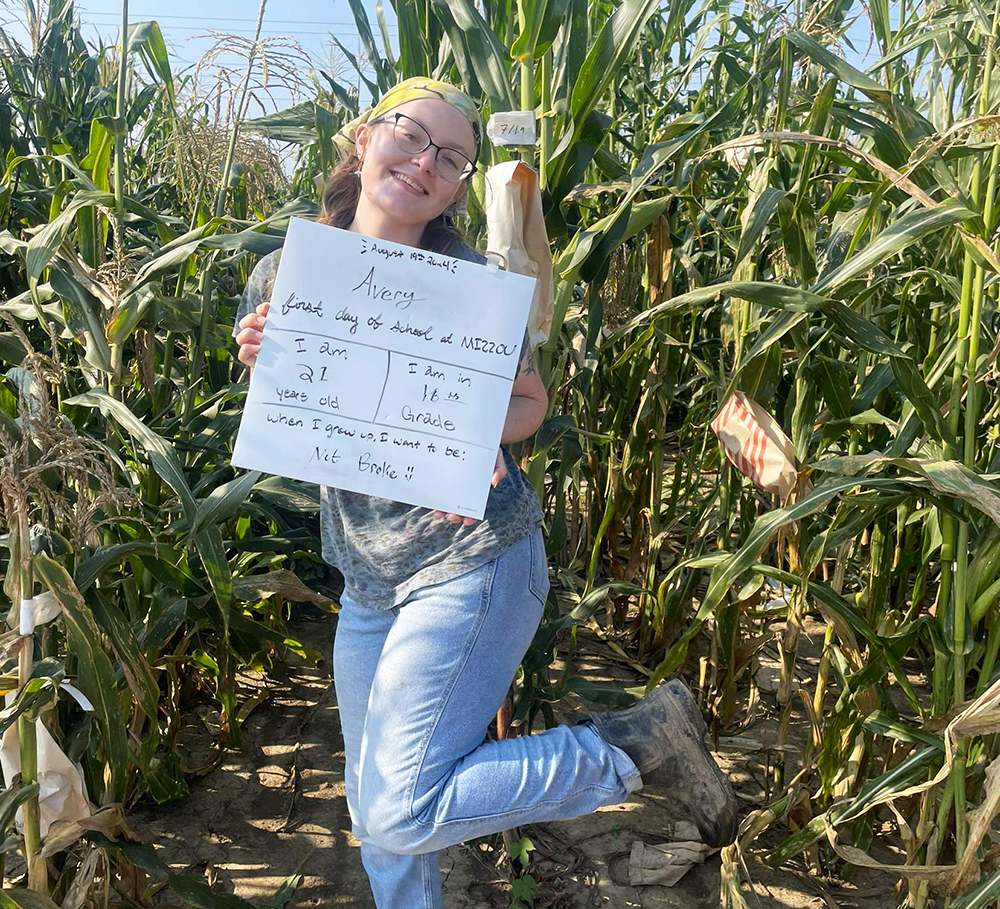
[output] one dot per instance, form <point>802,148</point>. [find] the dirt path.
<point>277,808</point>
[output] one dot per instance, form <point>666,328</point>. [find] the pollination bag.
<point>756,446</point>
<point>516,234</point>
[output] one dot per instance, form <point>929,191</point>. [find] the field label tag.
<point>512,127</point>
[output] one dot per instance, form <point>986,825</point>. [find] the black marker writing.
<point>408,329</point>
<point>330,351</point>
<point>487,347</point>
<point>283,420</point>
<point>426,418</point>
<point>376,468</point>
<point>401,299</point>
<point>345,315</point>
<point>325,455</point>
<point>292,303</point>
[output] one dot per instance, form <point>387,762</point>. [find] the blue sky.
<point>310,22</point>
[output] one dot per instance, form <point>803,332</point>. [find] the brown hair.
<point>340,201</point>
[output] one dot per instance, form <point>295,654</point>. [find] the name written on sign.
<point>399,297</point>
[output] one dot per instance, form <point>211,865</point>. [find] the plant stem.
<point>546,120</point>
<point>120,129</point>
<point>28,747</point>
<point>527,83</point>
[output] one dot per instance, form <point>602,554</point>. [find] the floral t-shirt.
<point>385,549</point>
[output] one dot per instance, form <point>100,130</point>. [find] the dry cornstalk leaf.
<point>980,819</point>
<point>281,582</point>
<point>62,834</point>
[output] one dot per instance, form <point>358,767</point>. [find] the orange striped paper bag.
<point>755,444</point>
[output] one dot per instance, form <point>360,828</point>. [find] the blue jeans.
<point>417,687</point>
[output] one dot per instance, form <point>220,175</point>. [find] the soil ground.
<point>276,808</point>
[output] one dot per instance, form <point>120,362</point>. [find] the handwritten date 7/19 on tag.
<point>384,369</point>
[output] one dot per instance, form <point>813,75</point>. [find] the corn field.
<point>733,206</point>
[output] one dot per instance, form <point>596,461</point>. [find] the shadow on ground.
<point>276,808</point>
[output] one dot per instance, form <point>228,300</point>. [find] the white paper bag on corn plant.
<point>516,233</point>
<point>61,792</point>
<point>756,446</point>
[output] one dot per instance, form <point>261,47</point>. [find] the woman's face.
<point>405,186</point>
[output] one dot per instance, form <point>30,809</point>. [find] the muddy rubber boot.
<point>664,735</point>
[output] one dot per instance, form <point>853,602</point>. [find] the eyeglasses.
<point>412,138</point>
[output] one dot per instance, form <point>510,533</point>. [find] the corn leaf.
<point>97,675</point>
<point>161,453</point>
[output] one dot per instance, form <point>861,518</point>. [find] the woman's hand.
<point>251,334</point>
<point>498,474</point>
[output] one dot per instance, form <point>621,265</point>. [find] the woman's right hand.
<point>251,334</point>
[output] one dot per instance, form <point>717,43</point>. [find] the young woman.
<point>438,610</point>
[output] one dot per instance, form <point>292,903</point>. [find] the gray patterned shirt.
<point>385,549</point>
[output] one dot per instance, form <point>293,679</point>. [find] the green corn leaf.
<point>726,573</point>
<point>611,696</point>
<point>13,798</point>
<point>97,675</point>
<point>950,477</point>
<point>98,160</point>
<point>487,55</point>
<point>286,890</point>
<point>291,124</point>
<point>11,348</point>
<point>760,217</point>
<point>542,21</point>
<point>89,570</point>
<point>900,234</point>
<point>83,318</point>
<point>146,39</point>
<point>213,558</point>
<point>382,72</point>
<point>42,247</point>
<point>161,453</point>
<point>881,724</point>
<point>909,772</point>
<point>614,45</point>
<point>164,626</point>
<point>839,67</point>
<point>836,386</point>
<point>20,898</point>
<point>798,842</point>
<point>359,69</point>
<point>134,666</point>
<point>984,894</point>
<point>224,501</point>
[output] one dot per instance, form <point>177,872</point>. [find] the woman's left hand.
<point>498,474</point>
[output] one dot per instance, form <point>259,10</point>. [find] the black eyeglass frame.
<point>440,148</point>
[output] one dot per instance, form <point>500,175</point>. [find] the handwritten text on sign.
<point>384,369</point>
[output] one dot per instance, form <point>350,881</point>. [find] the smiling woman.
<point>438,611</point>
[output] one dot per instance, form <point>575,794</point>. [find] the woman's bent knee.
<point>399,837</point>
<point>387,818</point>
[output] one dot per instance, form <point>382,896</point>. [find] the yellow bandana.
<point>410,90</point>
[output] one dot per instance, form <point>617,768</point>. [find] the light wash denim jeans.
<point>417,687</point>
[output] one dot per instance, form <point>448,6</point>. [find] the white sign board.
<point>384,370</point>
